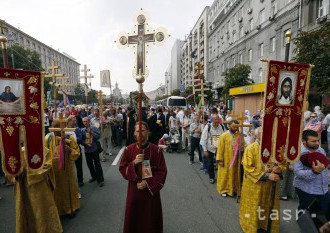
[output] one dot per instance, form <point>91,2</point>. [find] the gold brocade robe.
<point>66,188</point>
<point>228,177</point>
<point>35,203</point>
<point>256,194</point>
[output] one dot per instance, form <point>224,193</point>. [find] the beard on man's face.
<point>308,145</point>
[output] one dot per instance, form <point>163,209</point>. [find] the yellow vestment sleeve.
<point>252,164</point>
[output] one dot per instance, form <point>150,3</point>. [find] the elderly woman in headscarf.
<point>319,114</point>
<point>307,116</point>
<point>314,124</point>
<point>162,143</point>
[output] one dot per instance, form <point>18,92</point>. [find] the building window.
<point>234,36</point>
<point>273,8</point>
<point>234,60</point>
<point>251,24</point>
<point>241,58</point>
<point>250,54</point>
<point>260,76</point>
<point>240,13</point>
<point>284,37</point>
<point>272,44</point>
<point>262,16</point>
<point>241,32</point>
<point>261,50</point>
<point>223,67</point>
<point>323,7</point>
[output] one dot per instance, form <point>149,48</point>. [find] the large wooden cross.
<point>85,70</point>
<point>54,75</point>
<point>100,96</point>
<point>63,85</point>
<point>199,87</point>
<point>66,158</point>
<point>240,118</point>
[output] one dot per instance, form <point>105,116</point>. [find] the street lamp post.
<point>288,35</point>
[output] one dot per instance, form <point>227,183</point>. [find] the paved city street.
<point>190,203</point>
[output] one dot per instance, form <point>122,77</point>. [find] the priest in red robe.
<point>143,205</point>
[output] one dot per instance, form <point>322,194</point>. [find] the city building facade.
<point>68,65</point>
<point>246,31</point>
<point>176,65</point>
<point>194,50</point>
<point>168,80</point>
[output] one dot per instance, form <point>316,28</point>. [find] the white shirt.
<point>207,137</point>
<point>173,122</point>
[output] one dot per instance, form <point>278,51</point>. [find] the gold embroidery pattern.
<point>12,163</point>
<point>32,80</point>
<point>268,110</point>
<point>34,120</point>
<point>34,105</point>
<point>285,121</point>
<point>10,130</point>
<point>6,74</point>
<point>2,121</point>
<point>274,70</point>
<point>280,151</point>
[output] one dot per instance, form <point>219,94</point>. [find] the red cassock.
<point>143,207</point>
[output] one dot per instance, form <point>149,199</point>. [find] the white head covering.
<point>317,109</point>
<point>307,114</point>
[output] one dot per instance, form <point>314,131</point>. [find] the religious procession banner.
<point>105,78</point>
<point>21,120</point>
<point>285,100</point>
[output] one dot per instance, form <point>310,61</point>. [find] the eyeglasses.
<point>313,116</point>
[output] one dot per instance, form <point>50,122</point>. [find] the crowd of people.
<point>223,147</point>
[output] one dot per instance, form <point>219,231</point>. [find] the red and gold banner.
<point>21,120</point>
<point>285,100</point>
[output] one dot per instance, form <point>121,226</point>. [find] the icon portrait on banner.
<point>105,78</point>
<point>12,97</point>
<point>286,88</point>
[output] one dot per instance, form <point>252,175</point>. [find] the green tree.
<point>236,77</point>
<point>176,92</point>
<point>21,58</point>
<point>313,48</point>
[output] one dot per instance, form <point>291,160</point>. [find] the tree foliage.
<point>176,92</point>
<point>236,77</point>
<point>21,58</point>
<point>314,48</point>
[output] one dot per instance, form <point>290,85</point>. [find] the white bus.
<point>173,101</point>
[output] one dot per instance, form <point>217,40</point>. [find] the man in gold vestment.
<point>35,206</point>
<point>229,144</point>
<point>256,191</point>
<point>66,188</point>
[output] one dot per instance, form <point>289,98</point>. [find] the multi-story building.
<point>246,31</point>
<point>194,49</point>
<point>168,80</point>
<point>68,65</point>
<point>313,14</point>
<point>176,65</point>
